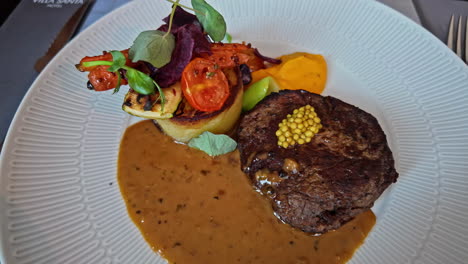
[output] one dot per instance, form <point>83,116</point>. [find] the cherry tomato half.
<point>204,85</point>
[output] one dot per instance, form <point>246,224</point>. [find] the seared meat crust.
<point>336,176</point>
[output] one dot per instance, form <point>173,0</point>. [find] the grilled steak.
<point>321,185</point>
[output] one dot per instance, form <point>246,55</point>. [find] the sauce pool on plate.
<point>193,208</point>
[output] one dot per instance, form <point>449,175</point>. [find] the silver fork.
<point>450,39</point>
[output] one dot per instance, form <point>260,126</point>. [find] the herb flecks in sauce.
<point>183,220</point>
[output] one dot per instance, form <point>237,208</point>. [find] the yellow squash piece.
<point>298,71</point>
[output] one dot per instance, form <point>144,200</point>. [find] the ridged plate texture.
<point>60,202</point>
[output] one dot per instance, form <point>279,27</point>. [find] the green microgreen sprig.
<point>176,3</point>
<point>212,21</point>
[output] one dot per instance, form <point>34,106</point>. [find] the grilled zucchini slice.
<point>149,106</point>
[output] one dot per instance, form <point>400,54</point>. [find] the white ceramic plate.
<point>59,159</point>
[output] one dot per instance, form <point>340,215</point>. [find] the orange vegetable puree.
<point>193,208</point>
<point>297,71</point>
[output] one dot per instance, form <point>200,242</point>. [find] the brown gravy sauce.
<point>192,208</point>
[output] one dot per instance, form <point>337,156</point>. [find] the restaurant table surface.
<point>417,10</point>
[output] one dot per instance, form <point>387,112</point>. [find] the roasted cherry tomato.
<point>204,85</point>
<point>98,76</point>
<point>232,54</point>
<point>228,58</point>
<point>104,57</point>
<point>102,79</point>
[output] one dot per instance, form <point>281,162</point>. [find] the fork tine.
<point>466,40</point>
<point>450,34</point>
<point>459,38</point>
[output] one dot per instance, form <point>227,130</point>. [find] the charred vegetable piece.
<point>246,74</point>
<point>228,55</point>
<point>149,106</point>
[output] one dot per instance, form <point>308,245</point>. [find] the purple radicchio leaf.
<point>190,42</point>
<point>181,56</point>
<point>181,18</point>
<point>202,45</point>
<point>165,27</point>
<point>265,58</point>
<point>184,19</point>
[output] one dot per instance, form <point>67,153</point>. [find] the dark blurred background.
<point>7,7</point>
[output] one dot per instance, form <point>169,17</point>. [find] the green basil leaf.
<point>153,46</point>
<point>212,144</point>
<point>140,82</point>
<point>119,81</point>
<point>118,60</point>
<point>211,20</point>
